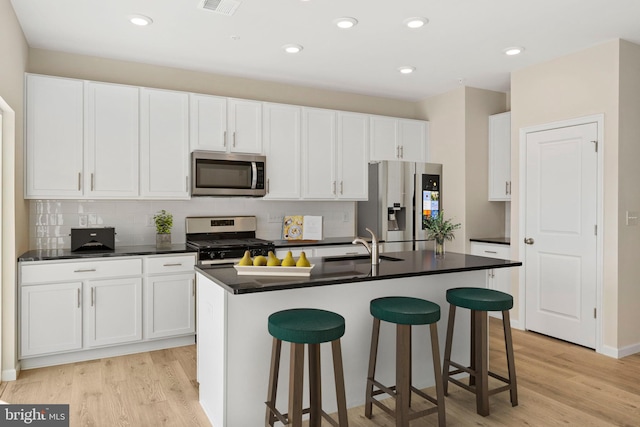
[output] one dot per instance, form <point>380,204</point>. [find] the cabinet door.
<point>165,145</point>
<point>113,311</point>
<point>318,154</point>
<point>54,137</point>
<point>384,138</point>
<point>208,122</point>
<point>169,305</point>
<point>281,129</point>
<point>352,165</point>
<point>500,157</point>
<point>112,141</point>
<point>412,140</point>
<point>50,318</point>
<point>244,126</point>
<point>497,278</point>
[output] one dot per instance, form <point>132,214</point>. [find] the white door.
<point>560,216</point>
<point>352,154</point>
<point>412,140</point>
<point>170,305</point>
<point>208,122</point>
<point>281,130</point>
<point>244,126</point>
<point>318,154</point>
<point>384,138</point>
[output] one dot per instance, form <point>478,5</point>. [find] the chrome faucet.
<point>371,248</point>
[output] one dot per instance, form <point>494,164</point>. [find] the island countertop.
<point>333,270</point>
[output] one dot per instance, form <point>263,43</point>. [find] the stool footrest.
<point>284,418</point>
<point>391,391</point>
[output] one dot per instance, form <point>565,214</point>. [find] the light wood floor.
<point>559,384</point>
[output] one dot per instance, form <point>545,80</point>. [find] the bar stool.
<point>404,312</point>
<point>302,326</point>
<point>480,301</point>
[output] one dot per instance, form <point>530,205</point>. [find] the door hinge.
<point>595,229</point>
<point>594,313</point>
<point>595,145</point>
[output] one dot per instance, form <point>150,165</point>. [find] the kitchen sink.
<point>358,258</point>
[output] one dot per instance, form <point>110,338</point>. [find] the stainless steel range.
<point>220,240</point>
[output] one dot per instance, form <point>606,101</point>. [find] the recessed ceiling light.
<point>407,69</point>
<point>140,20</point>
<point>346,22</point>
<point>292,48</point>
<point>415,22</point>
<point>515,50</point>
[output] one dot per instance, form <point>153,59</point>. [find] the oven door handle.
<point>254,175</point>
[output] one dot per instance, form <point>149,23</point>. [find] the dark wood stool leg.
<point>403,372</point>
<point>373,355</point>
<point>447,349</point>
<point>315,386</point>
<point>481,362</point>
<point>435,351</point>
<point>472,347</point>
<point>273,381</point>
<point>338,373</point>
<point>296,380</point>
<point>508,342</point>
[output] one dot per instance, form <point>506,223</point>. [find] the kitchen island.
<point>234,346</point>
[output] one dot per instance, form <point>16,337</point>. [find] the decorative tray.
<point>251,270</point>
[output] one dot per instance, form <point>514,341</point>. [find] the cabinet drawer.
<point>491,250</point>
<point>170,264</point>
<point>340,250</point>
<point>80,270</point>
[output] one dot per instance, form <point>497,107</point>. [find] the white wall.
<point>51,220</point>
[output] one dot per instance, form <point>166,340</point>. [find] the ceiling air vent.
<point>223,7</point>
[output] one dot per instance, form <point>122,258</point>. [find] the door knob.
<point>529,241</point>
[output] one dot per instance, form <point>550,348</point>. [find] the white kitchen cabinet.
<point>169,296</point>
<point>281,136</point>
<point>497,278</point>
<point>164,166</point>
<point>398,139</point>
<point>500,157</point>
<point>334,153</point>
<point>322,250</point>
<point>225,124</point>
<point>54,137</point>
<point>113,310</point>
<point>112,141</point>
<point>50,318</point>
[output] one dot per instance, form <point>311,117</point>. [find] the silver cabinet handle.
<point>193,288</point>
<point>186,184</point>
<point>86,270</point>
<point>173,264</point>
<point>78,297</point>
<point>529,241</point>
<point>92,295</point>
<point>91,182</point>
<point>341,187</point>
<point>397,152</point>
<point>490,252</point>
<point>402,151</point>
<point>224,139</point>
<point>334,187</point>
<point>267,185</point>
<point>79,181</point>
<point>506,187</point>
<point>509,187</point>
<point>234,139</point>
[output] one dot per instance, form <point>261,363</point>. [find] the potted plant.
<point>439,229</point>
<point>164,222</point>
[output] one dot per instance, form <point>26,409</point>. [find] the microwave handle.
<point>254,175</point>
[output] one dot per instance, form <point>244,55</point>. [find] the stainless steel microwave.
<point>222,174</point>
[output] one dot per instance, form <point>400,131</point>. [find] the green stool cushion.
<point>405,310</point>
<point>306,325</point>
<point>480,299</point>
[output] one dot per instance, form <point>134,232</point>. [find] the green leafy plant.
<point>164,222</point>
<point>438,228</point>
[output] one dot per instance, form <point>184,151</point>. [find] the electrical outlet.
<point>275,218</point>
<point>632,218</point>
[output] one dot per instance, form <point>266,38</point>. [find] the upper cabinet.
<point>281,132</point>
<point>54,137</point>
<point>398,139</point>
<point>164,169</point>
<point>334,155</point>
<point>500,157</point>
<point>112,141</point>
<point>226,124</point>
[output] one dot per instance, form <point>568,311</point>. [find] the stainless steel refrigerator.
<point>401,194</point>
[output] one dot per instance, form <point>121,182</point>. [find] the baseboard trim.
<point>619,353</point>
<point>10,374</point>
<point>99,353</point>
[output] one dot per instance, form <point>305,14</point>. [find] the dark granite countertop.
<point>326,272</point>
<point>329,241</point>
<point>497,240</point>
<point>58,254</point>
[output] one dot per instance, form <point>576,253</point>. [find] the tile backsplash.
<point>51,220</point>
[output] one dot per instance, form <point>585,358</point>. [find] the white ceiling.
<point>463,41</point>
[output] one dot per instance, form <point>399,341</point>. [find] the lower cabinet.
<point>497,278</point>
<point>113,310</point>
<point>73,307</point>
